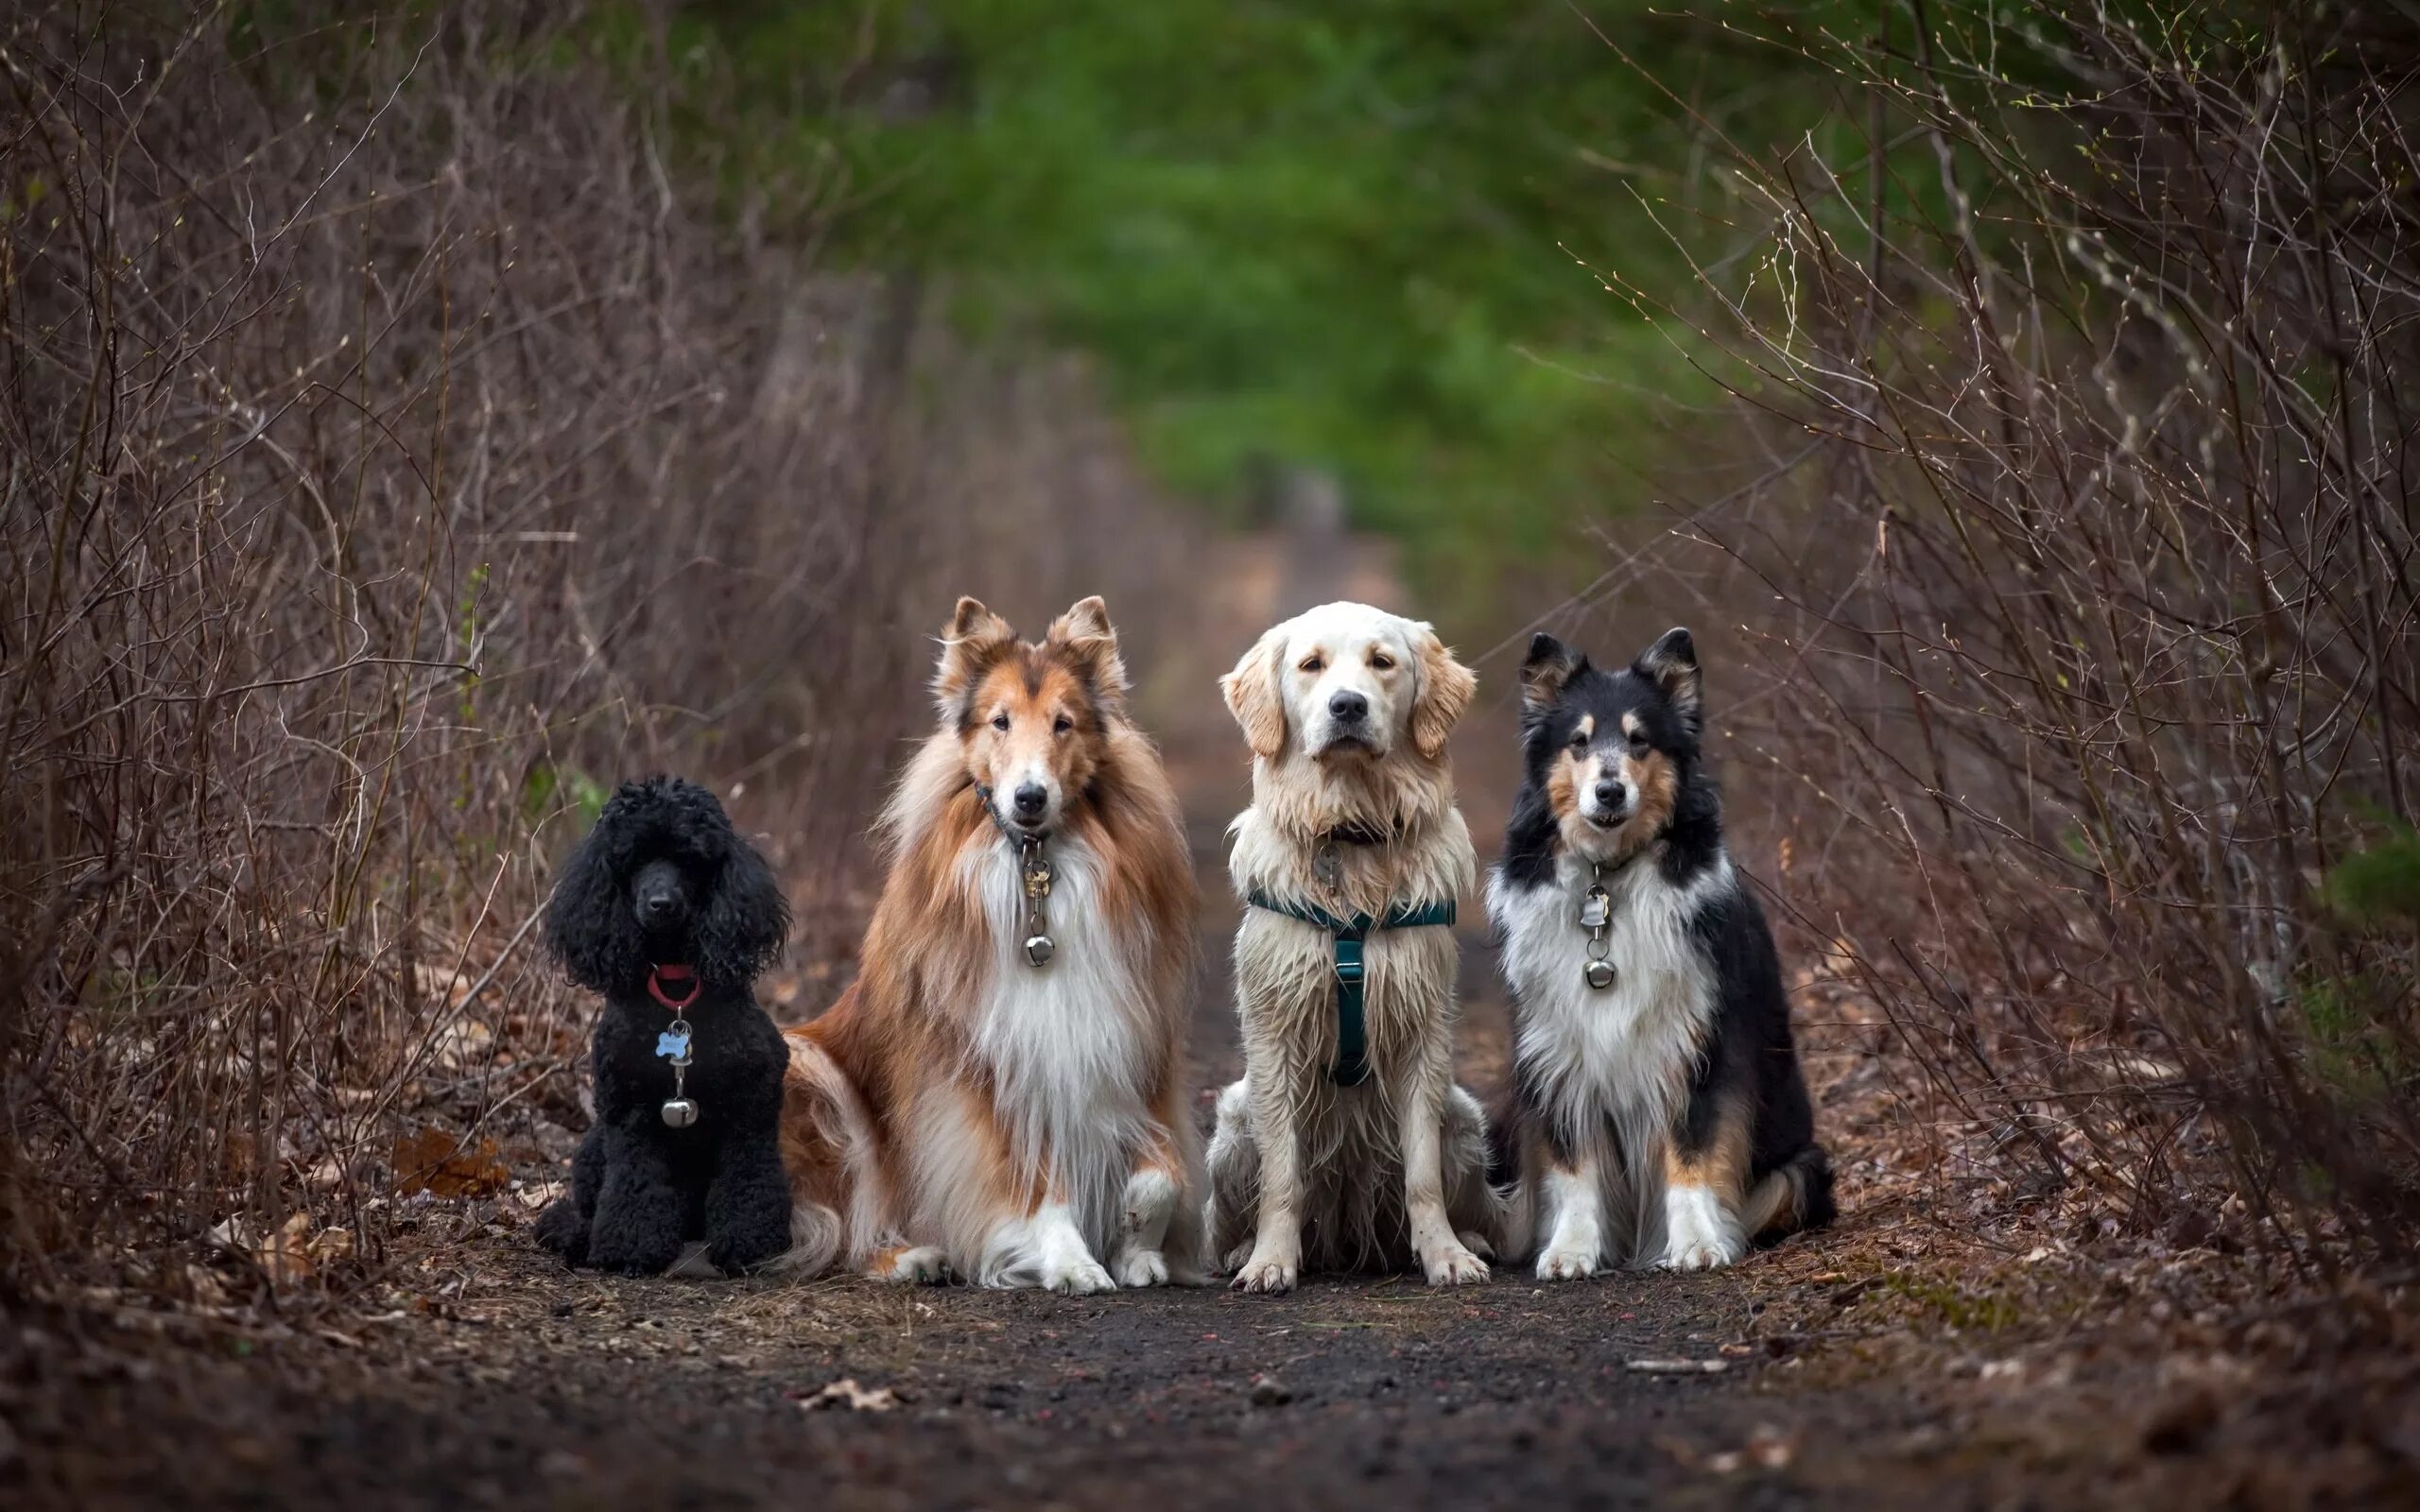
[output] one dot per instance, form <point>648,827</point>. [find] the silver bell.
<point>680,1112</point>
<point>1037,949</point>
<point>1599,974</point>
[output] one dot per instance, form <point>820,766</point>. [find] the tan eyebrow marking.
<point>1587,727</point>
<point>1629,724</point>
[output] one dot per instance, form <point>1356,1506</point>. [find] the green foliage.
<point>2380,883</point>
<point>1362,238</point>
<point>549,787</point>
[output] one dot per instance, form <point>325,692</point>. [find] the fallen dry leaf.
<point>435,1162</point>
<point>847,1393</point>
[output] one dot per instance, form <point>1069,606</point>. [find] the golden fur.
<point>958,1108</point>
<point>1305,1170</point>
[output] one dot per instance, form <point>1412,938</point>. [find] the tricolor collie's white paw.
<point>1142,1267</point>
<point>1453,1265</point>
<point>1269,1273</point>
<point>1566,1265</point>
<point>1700,1233</point>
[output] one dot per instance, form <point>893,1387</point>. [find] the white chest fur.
<point>1064,1041</point>
<point>1613,1061</point>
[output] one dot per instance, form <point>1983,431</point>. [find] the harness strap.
<point>1351,1066</point>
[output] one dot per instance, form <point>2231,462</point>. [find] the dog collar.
<point>1034,876</point>
<point>680,1110</point>
<point>1351,1066</point>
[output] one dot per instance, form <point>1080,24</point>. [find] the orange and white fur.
<point>961,1111</point>
<point>1347,710</point>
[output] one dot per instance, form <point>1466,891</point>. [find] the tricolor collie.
<point>1001,1094</point>
<point>1662,1118</point>
<point>1347,1144</point>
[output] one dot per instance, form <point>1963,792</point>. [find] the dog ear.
<point>1546,671</point>
<point>1671,664</point>
<point>590,927</point>
<point>1445,690</point>
<point>976,638</point>
<point>1253,697</point>
<point>746,920</point>
<point>1091,642</point>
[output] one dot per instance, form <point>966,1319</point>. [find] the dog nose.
<point>1609,796</point>
<point>1348,707</point>
<point>659,904</point>
<point>1030,800</point>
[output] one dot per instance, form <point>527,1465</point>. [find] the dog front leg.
<point>1277,1248</point>
<point>1705,1168</point>
<point>637,1230</point>
<point>748,1204</point>
<point>1153,1205</point>
<point>1421,1128</point>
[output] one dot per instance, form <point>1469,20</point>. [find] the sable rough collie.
<point>1346,1141</point>
<point>1662,1118</point>
<point>1001,1094</point>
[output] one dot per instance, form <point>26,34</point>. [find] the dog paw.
<point>1476,1242</point>
<point>1082,1279</point>
<point>1701,1235</point>
<point>1454,1266</point>
<point>1711,1253</point>
<point>916,1266</point>
<point>1232,1261</point>
<point>1142,1267</point>
<point>1269,1276</point>
<point>561,1230</point>
<point>1566,1266</point>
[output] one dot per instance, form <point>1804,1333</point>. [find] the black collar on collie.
<point>1611,768</point>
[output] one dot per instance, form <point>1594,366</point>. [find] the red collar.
<point>659,977</point>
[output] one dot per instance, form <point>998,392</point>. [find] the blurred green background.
<point>1363,239</point>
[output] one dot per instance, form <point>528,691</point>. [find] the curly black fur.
<point>664,880</point>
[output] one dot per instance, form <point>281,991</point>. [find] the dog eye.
<point>1312,663</point>
<point>1061,724</point>
<point>1580,740</point>
<point>999,721</point>
<point>1380,662</point>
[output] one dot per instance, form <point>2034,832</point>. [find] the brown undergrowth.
<point>395,458</point>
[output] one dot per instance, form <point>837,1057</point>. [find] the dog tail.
<point>1794,1195</point>
<point>824,1140</point>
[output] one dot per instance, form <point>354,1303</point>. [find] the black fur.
<point>664,880</point>
<point>1749,1048</point>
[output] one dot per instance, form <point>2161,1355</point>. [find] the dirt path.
<point>1910,1357</point>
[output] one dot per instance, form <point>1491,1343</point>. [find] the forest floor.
<point>1948,1344</point>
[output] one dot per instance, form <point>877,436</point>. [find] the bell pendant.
<point>680,1112</point>
<point>1599,974</point>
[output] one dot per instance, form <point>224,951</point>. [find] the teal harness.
<point>1351,1066</point>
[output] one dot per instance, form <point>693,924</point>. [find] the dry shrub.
<point>2083,351</point>
<point>394,459</point>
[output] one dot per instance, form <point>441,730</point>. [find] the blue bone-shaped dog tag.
<point>672,1043</point>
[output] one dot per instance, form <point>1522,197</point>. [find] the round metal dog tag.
<point>680,1112</point>
<point>1037,949</point>
<point>1599,974</point>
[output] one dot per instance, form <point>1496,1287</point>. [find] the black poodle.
<point>666,910</point>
